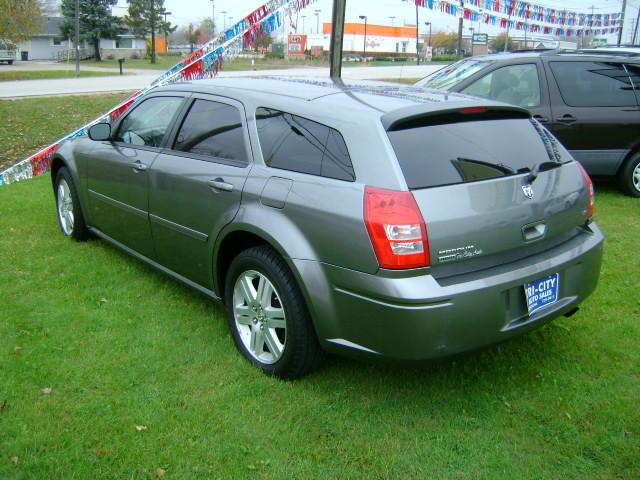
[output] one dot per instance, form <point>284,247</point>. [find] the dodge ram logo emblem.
<point>528,191</point>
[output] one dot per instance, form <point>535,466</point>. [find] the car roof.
<point>322,95</point>
<point>586,54</point>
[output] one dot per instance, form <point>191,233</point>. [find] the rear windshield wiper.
<point>541,167</point>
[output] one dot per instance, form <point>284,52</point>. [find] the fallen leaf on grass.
<point>102,453</point>
<point>103,301</point>
<point>15,460</point>
<point>17,350</point>
<point>141,428</point>
<point>4,407</point>
<point>160,472</point>
<point>46,391</point>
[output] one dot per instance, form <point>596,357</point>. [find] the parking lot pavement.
<point>31,88</point>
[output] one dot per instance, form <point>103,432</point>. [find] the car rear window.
<point>294,143</point>
<point>453,153</point>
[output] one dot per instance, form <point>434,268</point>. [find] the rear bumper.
<point>418,317</point>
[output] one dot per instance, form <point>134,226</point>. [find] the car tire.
<point>268,317</point>
<point>68,208</point>
<point>629,176</point>
<point>10,62</point>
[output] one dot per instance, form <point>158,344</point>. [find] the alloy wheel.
<point>65,207</point>
<point>259,317</point>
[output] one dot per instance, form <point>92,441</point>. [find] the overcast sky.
<point>378,11</point>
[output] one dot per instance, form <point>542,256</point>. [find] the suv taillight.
<point>397,229</point>
<point>592,200</point>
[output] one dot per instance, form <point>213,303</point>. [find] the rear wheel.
<point>267,315</point>
<point>629,176</point>
<point>68,207</point>
<point>10,62</point>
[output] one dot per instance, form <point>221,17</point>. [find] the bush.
<point>135,56</point>
<point>111,56</point>
<point>274,56</point>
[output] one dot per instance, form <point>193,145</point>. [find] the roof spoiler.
<point>416,116</point>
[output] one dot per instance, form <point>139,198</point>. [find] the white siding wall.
<point>375,44</point>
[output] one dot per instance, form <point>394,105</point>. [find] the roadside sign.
<point>297,44</point>
<point>480,39</point>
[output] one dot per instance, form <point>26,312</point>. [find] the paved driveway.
<point>31,88</point>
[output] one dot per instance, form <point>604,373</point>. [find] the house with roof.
<point>50,44</point>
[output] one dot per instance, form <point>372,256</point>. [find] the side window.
<point>213,129</point>
<point>593,84</point>
<point>147,124</point>
<point>634,71</point>
<point>515,84</point>
<point>294,143</point>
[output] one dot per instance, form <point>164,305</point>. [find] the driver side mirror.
<point>100,132</point>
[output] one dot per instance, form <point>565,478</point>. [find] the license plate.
<point>542,292</point>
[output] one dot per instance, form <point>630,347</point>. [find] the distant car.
<point>7,53</point>
<point>367,219</point>
<point>589,100</point>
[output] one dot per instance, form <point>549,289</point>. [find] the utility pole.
<point>77,38</point>
<point>317,12</point>
<point>337,37</point>
<point>635,30</point>
<point>213,19</point>
<point>624,9</point>
<point>417,36</point>
<point>506,40</point>
<point>460,27</point>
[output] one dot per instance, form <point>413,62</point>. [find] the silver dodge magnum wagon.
<point>367,219</point>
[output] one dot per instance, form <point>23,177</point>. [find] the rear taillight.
<point>592,200</point>
<point>397,229</point>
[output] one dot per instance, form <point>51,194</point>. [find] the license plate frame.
<point>542,292</point>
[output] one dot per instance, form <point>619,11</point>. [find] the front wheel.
<point>629,176</point>
<point>68,207</point>
<point>267,315</point>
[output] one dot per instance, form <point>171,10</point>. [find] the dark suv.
<point>590,101</point>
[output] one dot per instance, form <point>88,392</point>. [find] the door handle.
<point>140,167</point>
<point>567,119</point>
<point>541,119</point>
<point>219,185</point>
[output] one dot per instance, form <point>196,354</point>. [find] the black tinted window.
<point>148,123</point>
<point>436,155</point>
<point>294,143</point>
<point>212,129</point>
<point>593,84</point>
<point>634,71</point>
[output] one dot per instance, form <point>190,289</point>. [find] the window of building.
<point>124,43</point>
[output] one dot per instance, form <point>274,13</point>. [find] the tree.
<point>262,42</point>
<point>96,21</point>
<point>447,41</point>
<point>19,20</point>
<point>497,43</point>
<point>146,17</point>
<point>186,34</point>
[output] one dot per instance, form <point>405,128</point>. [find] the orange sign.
<point>297,44</point>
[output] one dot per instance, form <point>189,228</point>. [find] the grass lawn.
<point>120,345</point>
<point>29,125</point>
<point>48,74</point>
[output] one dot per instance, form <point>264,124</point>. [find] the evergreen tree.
<point>147,17</point>
<point>96,21</point>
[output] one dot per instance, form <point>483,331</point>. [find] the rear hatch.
<point>493,186</point>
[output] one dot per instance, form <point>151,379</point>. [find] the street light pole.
<point>166,35</point>
<point>364,43</point>
<point>224,20</point>
<point>303,17</point>
<point>213,19</point>
<point>471,29</point>
<point>393,20</point>
<point>624,9</point>
<point>317,12</point>
<point>77,38</point>
<point>460,28</point>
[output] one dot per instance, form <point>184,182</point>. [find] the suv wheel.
<point>68,207</point>
<point>267,315</point>
<point>629,176</point>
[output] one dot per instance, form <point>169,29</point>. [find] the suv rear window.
<point>453,153</point>
<point>294,143</point>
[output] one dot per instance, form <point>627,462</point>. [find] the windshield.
<point>451,75</point>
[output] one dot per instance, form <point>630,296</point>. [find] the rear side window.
<point>593,84</point>
<point>453,153</point>
<point>294,143</point>
<point>212,129</point>
<point>515,84</point>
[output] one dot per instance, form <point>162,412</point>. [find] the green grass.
<point>121,345</point>
<point>29,125</point>
<point>48,74</point>
<point>408,81</point>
